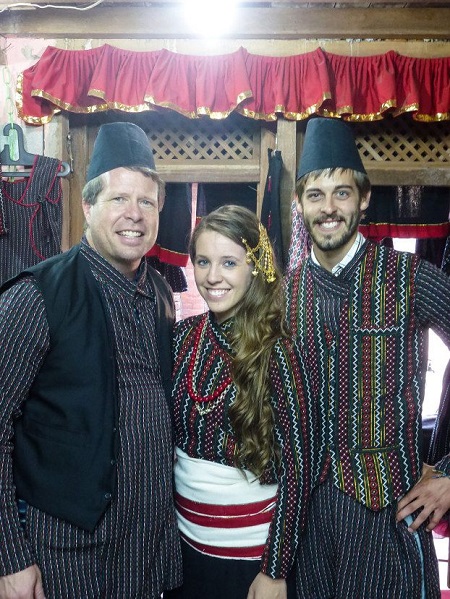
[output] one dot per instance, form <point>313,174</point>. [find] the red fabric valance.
<point>362,88</point>
<point>259,87</point>
<point>278,85</point>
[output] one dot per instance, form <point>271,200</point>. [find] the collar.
<point>339,267</point>
<point>220,332</point>
<point>108,274</point>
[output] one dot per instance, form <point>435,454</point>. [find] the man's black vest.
<point>66,443</point>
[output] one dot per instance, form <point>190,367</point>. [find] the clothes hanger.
<point>14,133</point>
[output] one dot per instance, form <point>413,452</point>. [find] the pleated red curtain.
<point>259,87</point>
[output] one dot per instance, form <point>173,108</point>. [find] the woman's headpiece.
<point>261,256</point>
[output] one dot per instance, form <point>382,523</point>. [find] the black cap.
<point>119,144</point>
<point>329,143</point>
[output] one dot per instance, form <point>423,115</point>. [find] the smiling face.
<point>221,272</point>
<point>331,207</point>
<point>123,223</point>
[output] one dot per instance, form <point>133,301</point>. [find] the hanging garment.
<point>213,195</point>
<point>300,243</point>
<point>270,211</point>
<point>31,218</point>
<point>174,275</point>
<point>170,253</point>
<point>172,242</point>
<point>410,211</point>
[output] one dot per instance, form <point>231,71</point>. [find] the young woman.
<point>242,419</point>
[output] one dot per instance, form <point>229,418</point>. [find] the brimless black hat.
<point>119,144</point>
<point>329,143</point>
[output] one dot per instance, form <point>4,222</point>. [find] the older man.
<point>85,429</point>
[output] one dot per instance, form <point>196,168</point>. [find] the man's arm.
<point>24,341</point>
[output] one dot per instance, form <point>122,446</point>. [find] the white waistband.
<point>243,524</point>
<point>209,482</point>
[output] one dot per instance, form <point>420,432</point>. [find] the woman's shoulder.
<point>183,327</point>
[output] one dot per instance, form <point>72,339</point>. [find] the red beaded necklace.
<point>193,366</point>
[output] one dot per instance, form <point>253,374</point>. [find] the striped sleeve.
<point>293,426</point>
<point>24,340</point>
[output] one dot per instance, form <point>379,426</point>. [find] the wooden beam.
<point>65,183</point>
<point>220,173</point>
<point>389,173</point>
<point>150,22</point>
<point>80,152</point>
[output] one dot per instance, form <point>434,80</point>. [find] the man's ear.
<point>365,201</point>
<point>298,204</point>
<point>86,210</point>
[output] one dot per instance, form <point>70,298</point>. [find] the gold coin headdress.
<point>261,256</point>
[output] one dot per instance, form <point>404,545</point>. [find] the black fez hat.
<point>119,144</point>
<point>329,143</point>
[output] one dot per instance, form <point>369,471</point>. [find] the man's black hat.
<point>117,145</point>
<point>329,143</point>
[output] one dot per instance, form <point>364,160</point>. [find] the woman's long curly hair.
<point>258,323</point>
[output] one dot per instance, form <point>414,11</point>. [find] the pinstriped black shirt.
<point>133,553</point>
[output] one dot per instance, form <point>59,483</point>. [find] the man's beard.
<point>333,242</point>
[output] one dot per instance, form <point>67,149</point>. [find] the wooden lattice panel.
<point>403,140</point>
<point>205,140</point>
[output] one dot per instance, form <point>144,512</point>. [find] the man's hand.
<point>264,587</point>
<point>431,494</point>
<point>26,584</point>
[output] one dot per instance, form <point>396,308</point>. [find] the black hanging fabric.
<point>170,253</point>
<point>213,195</point>
<point>171,245</point>
<point>174,275</point>
<point>431,250</point>
<point>407,212</point>
<point>270,211</point>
